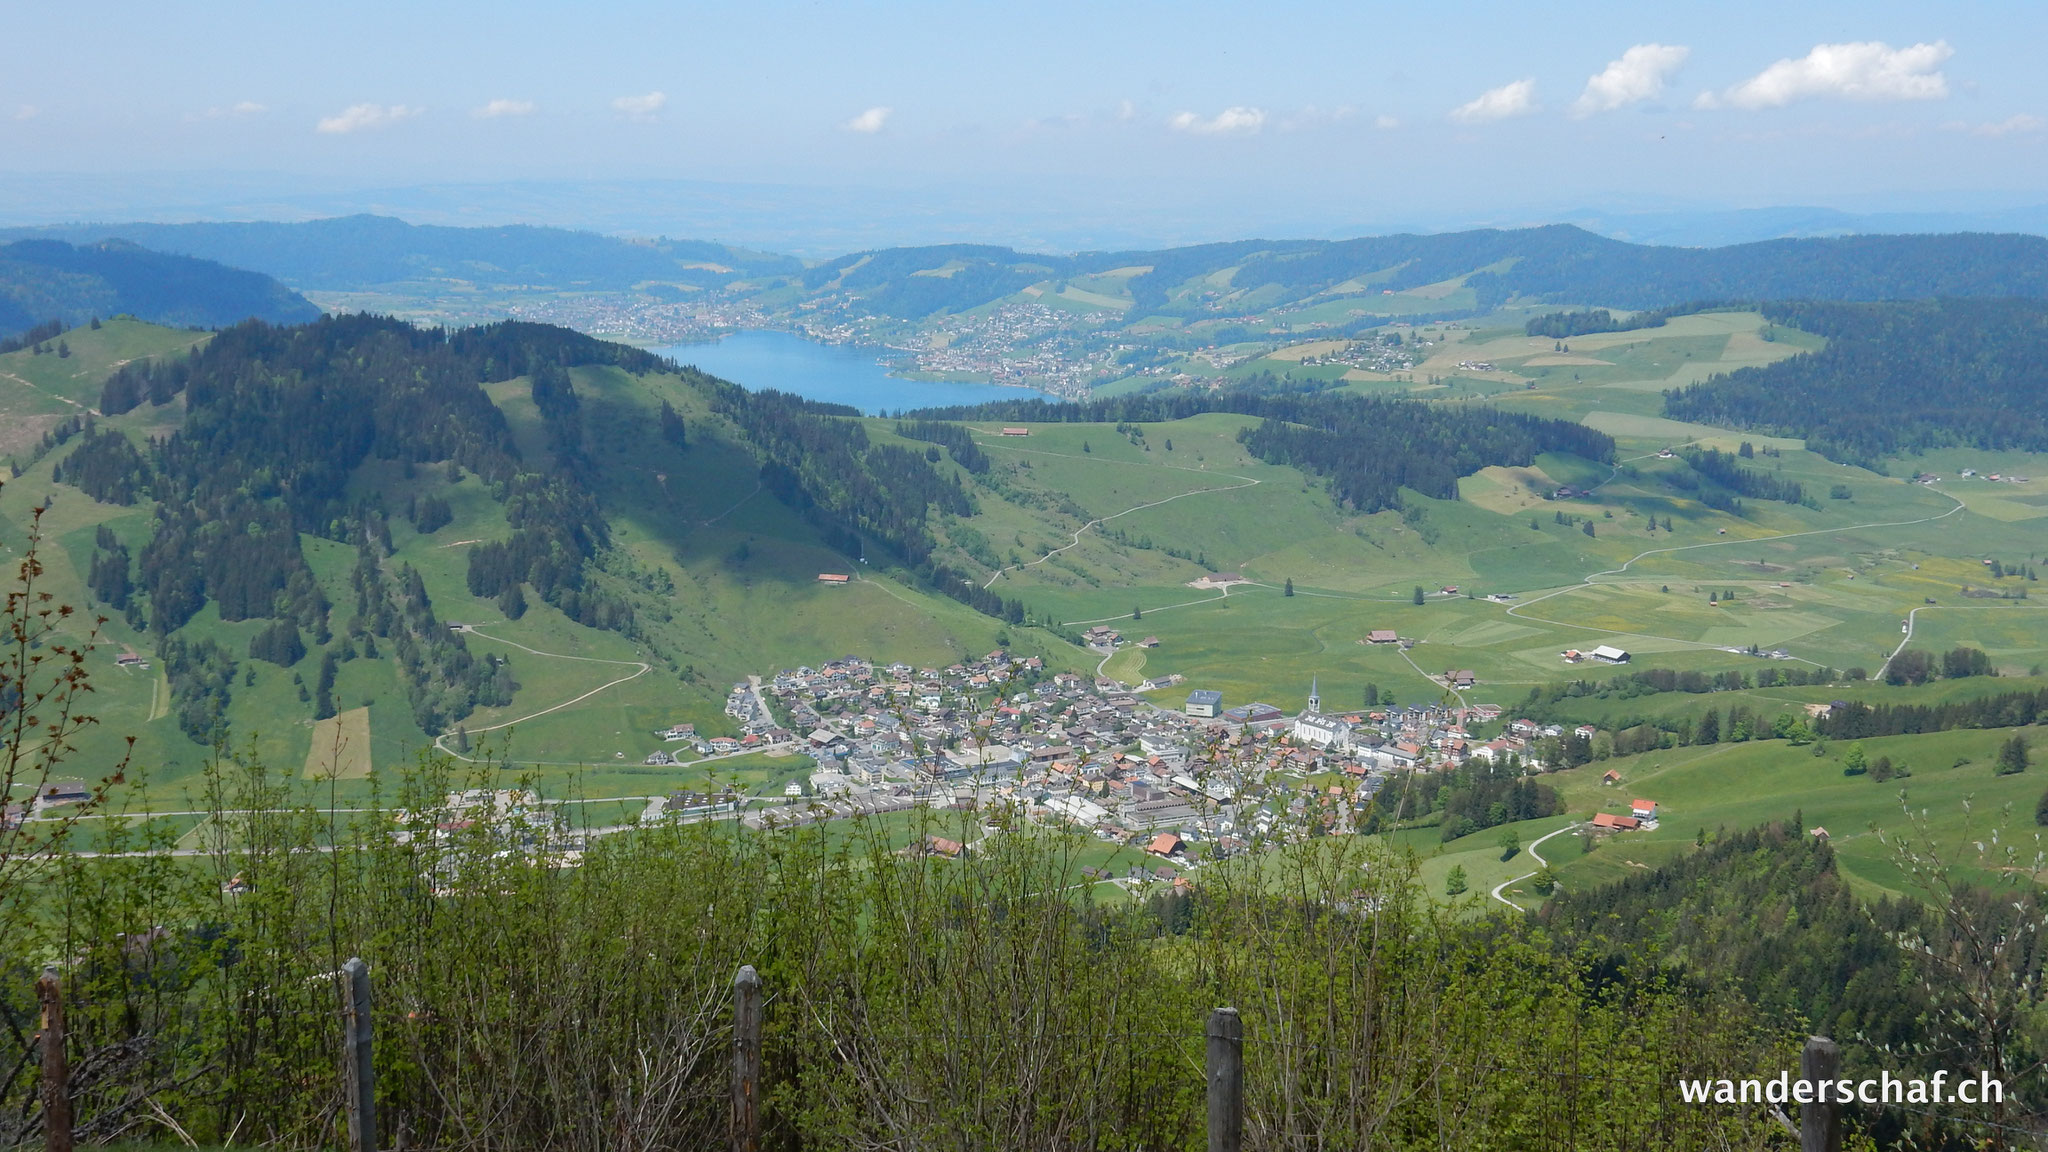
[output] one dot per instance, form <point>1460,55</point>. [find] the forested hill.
<point>1555,263</point>
<point>1456,272</point>
<point>1894,377</point>
<point>42,280</point>
<point>361,252</point>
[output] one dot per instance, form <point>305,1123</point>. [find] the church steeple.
<point>1315,699</point>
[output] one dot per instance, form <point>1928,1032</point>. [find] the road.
<point>1540,863</point>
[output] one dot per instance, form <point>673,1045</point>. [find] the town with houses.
<point>1196,782</point>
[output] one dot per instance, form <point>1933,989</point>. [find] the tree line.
<point>1895,377</point>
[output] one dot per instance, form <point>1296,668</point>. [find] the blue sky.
<point>1350,111</point>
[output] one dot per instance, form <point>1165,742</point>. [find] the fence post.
<point>1225,1065</point>
<point>358,1074</point>
<point>1820,1125</point>
<point>746,1060</point>
<point>56,1073</point>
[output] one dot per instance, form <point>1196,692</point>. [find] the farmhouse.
<point>1608,654</point>
<point>1462,678</point>
<point>1382,636</point>
<point>1643,809</point>
<point>1165,844</point>
<point>1612,823</point>
<point>1203,702</point>
<point>834,578</point>
<point>1014,431</point>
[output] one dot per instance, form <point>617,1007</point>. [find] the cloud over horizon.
<point>869,122</point>
<point>1867,70</point>
<point>359,117</point>
<point>643,107</point>
<point>1238,119</point>
<point>500,108</point>
<point>1637,76</point>
<point>1508,100</point>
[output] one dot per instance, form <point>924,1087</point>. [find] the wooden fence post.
<point>1225,1065</point>
<point>56,1073</point>
<point>1820,1125</point>
<point>746,1060</point>
<point>358,1074</point>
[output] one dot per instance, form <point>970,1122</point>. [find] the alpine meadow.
<point>912,627</point>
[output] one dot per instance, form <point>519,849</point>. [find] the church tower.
<point>1315,699</point>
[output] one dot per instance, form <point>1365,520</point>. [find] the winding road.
<point>639,669</point>
<point>1540,862</point>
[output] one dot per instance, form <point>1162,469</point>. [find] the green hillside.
<point>714,560</point>
<point>44,280</point>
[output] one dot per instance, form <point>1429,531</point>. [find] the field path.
<point>639,670</point>
<point>1248,482</point>
<point>1593,578</point>
<point>1540,863</point>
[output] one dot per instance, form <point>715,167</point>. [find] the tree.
<point>1455,884</point>
<point>1510,844</point>
<point>1137,613</point>
<point>1588,528</point>
<point>1545,881</point>
<point>2041,810</point>
<point>1418,593</point>
<point>2012,756</point>
<point>44,679</point>
<point>1289,589</point>
<point>1853,763</point>
<point>1709,731</point>
<point>512,601</point>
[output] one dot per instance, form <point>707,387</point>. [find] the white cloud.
<point>501,107</point>
<point>1226,122</point>
<point>1638,76</point>
<point>1385,122</point>
<point>358,117</point>
<point>27,112</point>
<point>244,108</point>
<point>1125,110</point>
<point>869,122</point>
<point>2015,125</point>
<point>643,107</point>
<point>1516,99</point>
<point>1868,70</point>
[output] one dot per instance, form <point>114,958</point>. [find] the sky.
<point>1213,119</point>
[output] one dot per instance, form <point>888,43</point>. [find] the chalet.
<point>678,732</point>
<point>1818,832</point>
<point>1612,823</point>
<point>1571,655</point>
<point>1014,431</point>
<point>1608,654</point>
<point>1165,844</point>
<point>1203,702</point>
<point>1382,636</point>
<point>1149,642</point>
<point>1523,728</point>
<point>1462,678</point>
<point>1585,731</point>
<point>834,578</point>
<point>129,659</point>
<point>940,846</point>
<point>1643,809</point>
<point>1610,777</point>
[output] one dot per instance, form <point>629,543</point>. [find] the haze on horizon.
<point>809,127</point>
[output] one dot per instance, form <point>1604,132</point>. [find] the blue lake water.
<point>832,372</point>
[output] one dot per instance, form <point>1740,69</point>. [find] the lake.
<point>837,373</point>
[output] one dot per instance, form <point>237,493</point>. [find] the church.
<point>1331,733</point>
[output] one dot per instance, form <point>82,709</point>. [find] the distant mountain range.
<point>48,279</point>
<point>1471,271</point>
<point>353,253</point>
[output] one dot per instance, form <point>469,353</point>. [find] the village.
<point>1197,782</point>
